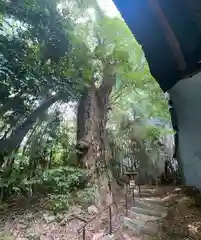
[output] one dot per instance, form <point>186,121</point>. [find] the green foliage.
<point>64,179</point>
<point>86,196</point>
<point>6,236</point>
<point>153,133</point>
<point>21,180</point>
<point>59,202</point>
<point>48,51</point>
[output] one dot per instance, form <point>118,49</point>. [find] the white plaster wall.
<point>186,98</point>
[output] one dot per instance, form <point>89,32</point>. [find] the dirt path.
<point>162,213</point>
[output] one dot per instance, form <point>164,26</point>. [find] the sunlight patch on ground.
<point>193,229</point>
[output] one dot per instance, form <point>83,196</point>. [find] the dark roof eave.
<point>150,31</point>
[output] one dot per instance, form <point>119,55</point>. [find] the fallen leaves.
<point>183,220</point>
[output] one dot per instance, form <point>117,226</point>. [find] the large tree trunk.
<point>91,135</point>
<point>13,142</point>
<point>90,128</point>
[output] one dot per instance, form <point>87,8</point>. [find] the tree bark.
<point>91,135</point>
<point>90,128</point>
<point>11,144</point>
<point>92,119</point>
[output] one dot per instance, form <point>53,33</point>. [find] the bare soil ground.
<point>184,216</point>
<point>183,220</point>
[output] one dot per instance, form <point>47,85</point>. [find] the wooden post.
<point>110,219</point>
<point>132,187</point>
<point>110,207</point>
<point>133,196</point>
<point>84,233</point>
<point>126,198</point>
<point>139,189</point>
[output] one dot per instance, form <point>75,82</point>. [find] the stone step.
<point>108,237</point>
<point>102,236</point>
<point>149,212</point>
<point>143,217</point>
<point>151,192</point>
<point>153,200</point>
<point>139,226</point>
<point>152,206</point>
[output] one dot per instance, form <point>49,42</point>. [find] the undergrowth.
<point>58,187</point>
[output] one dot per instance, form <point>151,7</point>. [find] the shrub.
<point>86,196</point>
<point>59,203</point>
<point>64,179</point>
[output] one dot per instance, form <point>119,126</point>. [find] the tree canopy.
<point>60,53</point>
